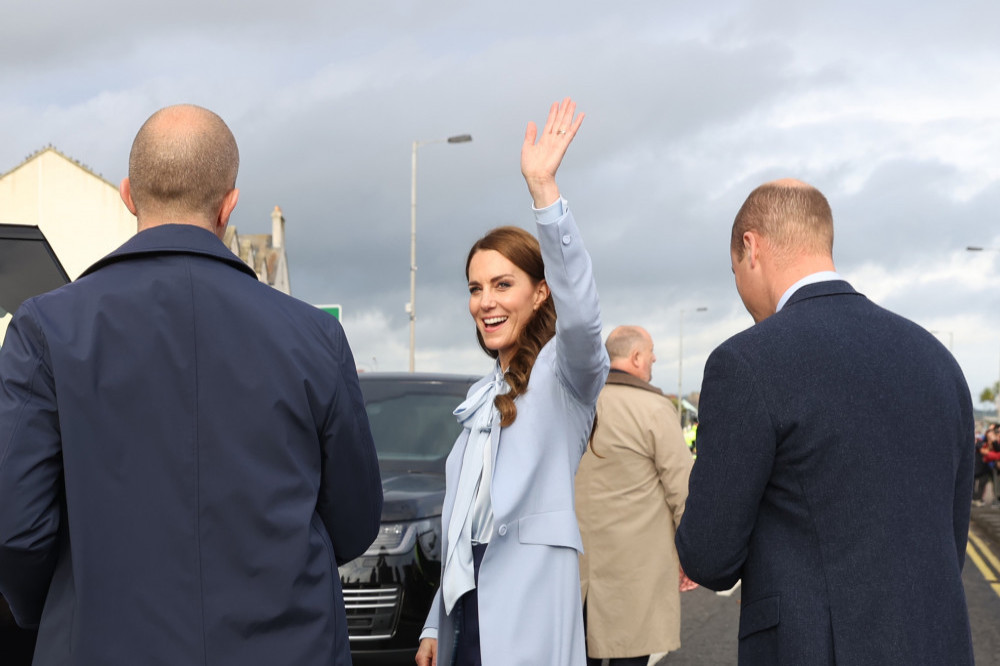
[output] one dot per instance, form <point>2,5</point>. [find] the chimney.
<point>277,228</point>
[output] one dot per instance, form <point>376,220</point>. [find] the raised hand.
<point>542,153</point>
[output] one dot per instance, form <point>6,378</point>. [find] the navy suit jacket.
<point>185,458</point>
<point>834,478</point>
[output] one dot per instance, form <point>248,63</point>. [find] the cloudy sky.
<point>891,108</point>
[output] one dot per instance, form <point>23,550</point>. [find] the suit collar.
<point>817,289</point>
<point>623,378</point>
<point>173,239</point>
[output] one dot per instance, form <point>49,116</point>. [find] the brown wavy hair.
<point>521,249</point>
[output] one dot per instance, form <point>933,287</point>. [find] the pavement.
<point>986,522</point>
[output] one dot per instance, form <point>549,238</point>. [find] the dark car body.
<point>389,589</point>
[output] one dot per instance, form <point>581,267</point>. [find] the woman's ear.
<point>541,293</point>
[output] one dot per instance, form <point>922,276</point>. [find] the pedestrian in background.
<point>510,573</point>
<point>796,489</point>
<point>185,456</point>
<point>987,456</point>
<point>630,493</point>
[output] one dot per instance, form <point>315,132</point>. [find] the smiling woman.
<point>510,534</point>
<point>509,301</point>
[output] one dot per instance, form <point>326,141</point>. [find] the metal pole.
<point>411,307</point>
<point>680,366</point>
<point>413,259</point>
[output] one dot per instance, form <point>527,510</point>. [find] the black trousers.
<point>623,661</point>
<point>467,650</point>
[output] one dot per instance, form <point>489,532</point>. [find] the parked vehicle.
<point>389,589</point>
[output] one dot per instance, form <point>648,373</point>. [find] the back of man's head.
<point>623,341</point>
<point>182,165</point>
<point>630,349</point>
<point>794,218</point>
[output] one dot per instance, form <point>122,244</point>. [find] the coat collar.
<point>817,289</point>
<point>623,378</point>
<point>173,239</point>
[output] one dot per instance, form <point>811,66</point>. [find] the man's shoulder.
<point>621,385</point>
<point>842,325</point>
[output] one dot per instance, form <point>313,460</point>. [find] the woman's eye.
<point>474,290</point>
<point>503,285</point>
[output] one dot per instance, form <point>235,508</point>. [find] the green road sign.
<point>331,309</point>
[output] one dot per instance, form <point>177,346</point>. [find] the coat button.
<point>502,531</point>
<point>567,239</point>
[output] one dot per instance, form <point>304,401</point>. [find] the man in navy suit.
<point>834,461</point>
<point>184,451</point>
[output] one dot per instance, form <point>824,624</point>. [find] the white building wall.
<point>80,213</point>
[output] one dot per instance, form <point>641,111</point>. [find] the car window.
<point>413,421</point>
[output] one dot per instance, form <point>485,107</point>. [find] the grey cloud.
<point>687,111</point>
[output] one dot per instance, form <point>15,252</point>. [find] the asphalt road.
<point>709,621</point>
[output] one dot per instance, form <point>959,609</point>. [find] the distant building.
<point>265,253</point>
<point>83,218</point>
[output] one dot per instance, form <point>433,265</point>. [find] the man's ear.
<point>751,247</point>
<point>125,190</point>
<point>228,204</point>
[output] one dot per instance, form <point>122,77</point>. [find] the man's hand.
<point>686,583</point>
<point>427,654</point>
<point>540,161</point>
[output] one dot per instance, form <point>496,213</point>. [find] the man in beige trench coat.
<point>630,493</point>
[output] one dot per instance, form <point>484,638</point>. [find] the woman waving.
<point>510,585</point>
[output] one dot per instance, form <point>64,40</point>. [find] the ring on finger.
<point>562,131</point>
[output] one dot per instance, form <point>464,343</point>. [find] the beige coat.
<point>629,503</point>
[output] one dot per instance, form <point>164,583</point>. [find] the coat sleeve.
<point>673,461</point>
<point>30,469</point>
<point>736,451</point>
<point>430,629</point>
<point>581,359</point>
<point>350,497</point>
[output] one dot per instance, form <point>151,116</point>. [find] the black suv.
<point>389,589</point>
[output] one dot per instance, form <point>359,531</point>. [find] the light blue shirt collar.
<point>822,276</point>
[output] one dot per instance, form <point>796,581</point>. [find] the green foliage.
<point>989,394</point>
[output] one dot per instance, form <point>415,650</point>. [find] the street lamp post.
<point>411,307</point>
<point>680,364</point>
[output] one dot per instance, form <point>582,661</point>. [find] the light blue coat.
<point>530,610</point>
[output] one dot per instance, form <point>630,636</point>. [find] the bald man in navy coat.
<point>834,464</point>
<point>185,455</point>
